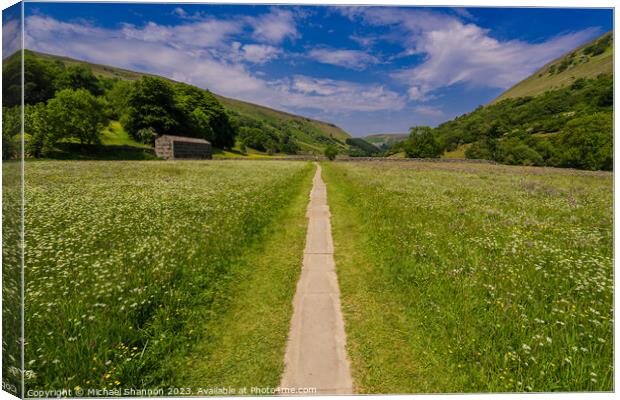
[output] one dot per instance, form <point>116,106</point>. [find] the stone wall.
<point>163,149</point>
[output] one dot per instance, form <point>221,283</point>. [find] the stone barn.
<point>173,147</point>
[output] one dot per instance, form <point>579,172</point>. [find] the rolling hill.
<point>587,61</point>
<point>311,136</point>
<point>561,116</point>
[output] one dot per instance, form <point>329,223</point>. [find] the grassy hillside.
<point>568,127</point>
<point>588,61</point>
<point>311,135</point>
<point>308,135</point>
<point>386,139</point>
<point>562,116</point>
<point>105,71</point>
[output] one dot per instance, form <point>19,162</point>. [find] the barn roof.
<point>183,139</point>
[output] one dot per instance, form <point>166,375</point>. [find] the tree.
<point>151,104</point>
<point>587,142</point>
<point>35,125</point>
<point>11,126</point>
<point>118,96</point>
<point>38,80</point>
<point>256,138</point>
<point>203,116</point>
<point>331,152</point>
<point>74,114</point>
<point>422,143</point>
<point>78,77</point>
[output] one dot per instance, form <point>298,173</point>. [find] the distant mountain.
<point>587,61</point>
<point>310,136</point>
<point>383,140</point>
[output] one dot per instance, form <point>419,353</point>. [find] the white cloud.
<point>207,33</point>
<point>11,36</point>
<point>156,49</point>
<point>365,41</point>
<point>274,27</point>
<point>180,12</point>
<point>353,59</point>
<point>463,12</point>
<point>457,52</point>
<point>255,53</point>
<point>331,95</point>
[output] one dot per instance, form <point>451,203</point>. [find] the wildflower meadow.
<point>473,277</point>
<point>127,262</point>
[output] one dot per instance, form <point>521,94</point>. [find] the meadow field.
<point>130,265</point>
<point>473,277</point>
<point>455,277</point>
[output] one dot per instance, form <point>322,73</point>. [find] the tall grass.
<point>11,277</point>
<point>468,278</point>
<point>125,261</point>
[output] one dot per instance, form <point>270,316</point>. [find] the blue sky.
<point>366,69</point>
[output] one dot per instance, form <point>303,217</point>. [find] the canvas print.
<point>234,200</point>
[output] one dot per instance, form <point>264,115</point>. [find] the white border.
<point>436,3</point>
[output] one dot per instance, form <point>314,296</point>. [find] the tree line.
<point>70,103</point>
<point>568,127</point>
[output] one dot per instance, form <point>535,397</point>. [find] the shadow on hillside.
<point>76,151</point>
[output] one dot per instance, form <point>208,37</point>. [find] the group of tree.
<point>265,138</point>
<point>70,103</point>
<point>568,127</point>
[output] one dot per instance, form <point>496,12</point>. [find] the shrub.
<point>146,135</point>
<point>588,142</point>
<point>331,152</point>
<point>422,143</point>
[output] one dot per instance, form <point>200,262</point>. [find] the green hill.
<point>385,140</point>
<point>299,134</point>
<point>567,127</point>
<point>311,135</point>
<point>561,116</point>
<point>587,61</point>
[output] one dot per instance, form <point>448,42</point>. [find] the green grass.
<point>245,346</point>
<point>116,145</point>
<point>542,81</point>
<point>474,278</point>
<point>11,276</point>
<point>131,264</point>
<point>236,153</point>
<point>115,135</point>
<point>459,152</point>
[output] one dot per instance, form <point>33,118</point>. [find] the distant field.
<point>130,265</point>
<point>474,278</point>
